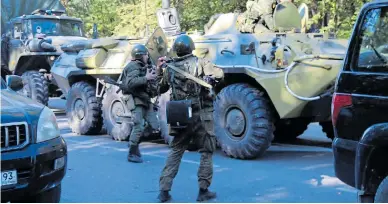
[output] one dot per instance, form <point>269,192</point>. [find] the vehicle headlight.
<point>47,126</point>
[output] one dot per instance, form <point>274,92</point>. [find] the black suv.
<point>360,107</point>
<point>33,154</point>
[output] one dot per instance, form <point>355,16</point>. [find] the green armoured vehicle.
<point>91,103</point>
<point>31,37</point>
<point>276,83</point>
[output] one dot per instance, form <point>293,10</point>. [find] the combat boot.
<point>205,194</point>
<point>134,154</point>
<point>164,196</point>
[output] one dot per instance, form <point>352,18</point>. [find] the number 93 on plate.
<point>8,178</point>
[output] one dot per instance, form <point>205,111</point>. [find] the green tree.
<point>133,17</point>
<point>101,12</point>
<point>130,17</point>
<point>195,14</point>
<point>337,16</point>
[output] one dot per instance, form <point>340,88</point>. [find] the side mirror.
<point>14,82</point>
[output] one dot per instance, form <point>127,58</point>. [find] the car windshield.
<point>52,27</point>
<point>3,84</point>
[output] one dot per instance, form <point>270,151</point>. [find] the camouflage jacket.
<point>134,82</point>
<point>258,8</point>
<point>183,88</point>
<point>258,12</point>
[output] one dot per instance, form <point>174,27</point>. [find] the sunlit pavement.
<point>98,171</point>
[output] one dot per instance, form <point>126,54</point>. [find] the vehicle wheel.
<point>51,196</point>
<point>382,192</point>
<point>327,127</point>
<point>289,130</point>
<point>83,109</point>
<point>112,106</point>
<point>35,87</point>
<point>243,121</point>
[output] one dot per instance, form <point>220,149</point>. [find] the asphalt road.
<point>300,172</point>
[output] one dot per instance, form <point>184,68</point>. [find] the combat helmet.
<point>138,51</point>
<point>183,45</point>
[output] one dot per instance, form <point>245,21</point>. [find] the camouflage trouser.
<point>144,120</point>
<point>207,145</point>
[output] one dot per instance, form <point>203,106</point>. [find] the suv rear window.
<point>372,55</point>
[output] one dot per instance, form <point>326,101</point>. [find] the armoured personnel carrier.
<point>90,101</point>
<point>276,83</point>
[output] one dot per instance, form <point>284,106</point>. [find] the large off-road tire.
<point>382,192</point>
<point>327,128</point>
<point>289,130</point>
<point>83,109</point>
<point>112,106</point>
<point>243,119</point>
<point>35,87</point>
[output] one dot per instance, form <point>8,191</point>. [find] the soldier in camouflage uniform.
<point>258,18</point>
<point>138,81</point>
<point>184,88</point>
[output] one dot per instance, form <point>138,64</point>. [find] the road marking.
<point>89,144</point>
<point>349,190</point>
<point>314,155</point>
<point>298,148</point>
<point>183,160</point>
<point>316,166</point>
<point>159,151</point>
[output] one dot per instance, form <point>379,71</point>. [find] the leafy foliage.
<point>133,18</point>
<point>130,17</point>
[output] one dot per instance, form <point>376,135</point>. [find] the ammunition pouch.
<point>206,116</point>
<point>179,113</point>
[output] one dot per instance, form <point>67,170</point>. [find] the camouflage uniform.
<point>183,88</point>
<point>258,17</point>
<point>135,83</point>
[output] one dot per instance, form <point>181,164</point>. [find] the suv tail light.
<point>339,101</point>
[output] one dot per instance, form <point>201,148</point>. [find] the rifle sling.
<point>188,75</point>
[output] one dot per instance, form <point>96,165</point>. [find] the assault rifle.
<point>206,82</point>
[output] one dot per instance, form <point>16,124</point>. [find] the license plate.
<point>9,178</point>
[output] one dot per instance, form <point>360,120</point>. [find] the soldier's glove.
<point>161,64</point>
<point>161,61</point>
<point>209,79</point>
<point>151,75</point>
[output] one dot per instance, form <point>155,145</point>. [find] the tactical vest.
<point>181,87</point>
